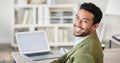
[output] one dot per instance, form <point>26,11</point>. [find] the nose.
<point>78,22</point>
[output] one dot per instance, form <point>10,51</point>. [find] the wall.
<point>112,19</point>
<point>112,26</point>
<point>99,3</point>
<point>5,24</point>
<point>5,18</point>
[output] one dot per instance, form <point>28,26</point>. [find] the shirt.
<point>79,39</point>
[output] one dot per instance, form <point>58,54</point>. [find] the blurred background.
<point>55,17</point>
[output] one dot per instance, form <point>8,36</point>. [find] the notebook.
<point>34,45</point>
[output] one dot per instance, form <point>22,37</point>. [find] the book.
<point>51,2</point>
<point>37,1</point>
<point>21,2</point>
<point>65,35</point>
<point>18,15</point>
<point>25,16</point>
<point>50,34</point>
<point>40,15</point>
<point>30,17</point>
<point>21,29</point>
<point>60,35</point>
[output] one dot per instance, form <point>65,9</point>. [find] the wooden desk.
<point>110,56</point>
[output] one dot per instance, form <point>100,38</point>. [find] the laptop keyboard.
<point>44,55</point>
<point>38,54</point>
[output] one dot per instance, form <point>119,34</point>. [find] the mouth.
<point>77,28</point>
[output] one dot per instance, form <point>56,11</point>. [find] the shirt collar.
<point>79,40</point>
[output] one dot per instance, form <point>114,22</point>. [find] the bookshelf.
<point>55,20</point>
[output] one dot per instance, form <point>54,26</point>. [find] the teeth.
<point>77,29</point>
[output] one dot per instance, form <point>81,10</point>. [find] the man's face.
<point>82,26</point>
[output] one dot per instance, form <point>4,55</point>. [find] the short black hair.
<point>92,8</point>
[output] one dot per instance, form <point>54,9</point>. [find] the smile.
<point>77,28</point>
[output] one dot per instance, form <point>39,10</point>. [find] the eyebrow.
<point>86,19</point>
<point>77,15</point>
<point>83,18</point>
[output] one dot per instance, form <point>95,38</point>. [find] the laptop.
<point>34,45</point>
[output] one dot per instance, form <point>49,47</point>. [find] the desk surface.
<point>110,56</point>
<point>20,59</point>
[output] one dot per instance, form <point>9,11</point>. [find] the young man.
<point>87,45</point>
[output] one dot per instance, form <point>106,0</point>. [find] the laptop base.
<point>42,56</point>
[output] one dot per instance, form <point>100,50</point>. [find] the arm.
<point>60,60</point>
<point>84,58</point>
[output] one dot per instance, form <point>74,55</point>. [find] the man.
<point>87,45</point>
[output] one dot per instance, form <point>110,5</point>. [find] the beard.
<point>82,32</point>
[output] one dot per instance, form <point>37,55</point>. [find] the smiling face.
<point>83,24</point>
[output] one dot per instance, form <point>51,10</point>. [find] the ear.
<point>95,26</point>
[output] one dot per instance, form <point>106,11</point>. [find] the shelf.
<point>54,25</point>
<point>60,14</point>
<point>14,45</point>
<point>65,44</point>
<point>53,44</point>
<point>55,20</point>
<point>28,6</point>
<point>22,26</point>
<point>64,25</point>
<point>62,44</point>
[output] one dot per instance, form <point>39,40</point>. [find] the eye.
<point>77,17</point>
<point>84,20</point>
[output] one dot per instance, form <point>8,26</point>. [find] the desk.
<point>110,56</point>
<point>20,59</point>
<point>113,40</point>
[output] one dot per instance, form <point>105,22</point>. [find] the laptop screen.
<point>31,42</point>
